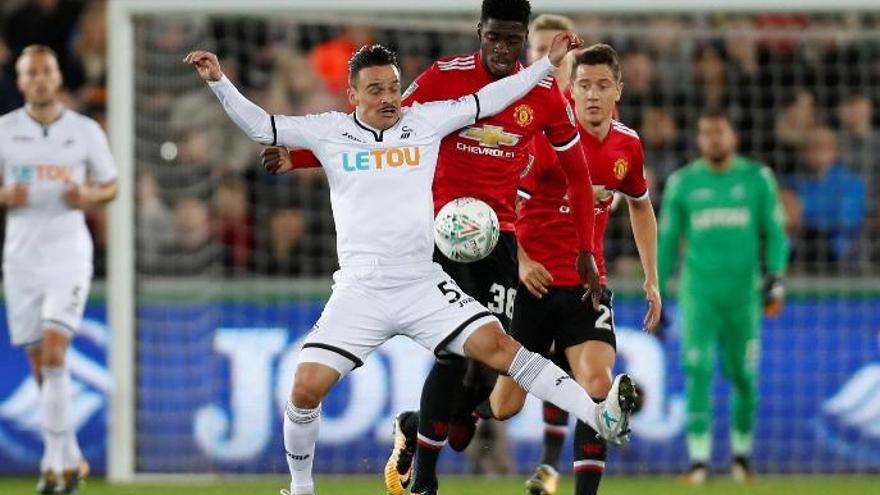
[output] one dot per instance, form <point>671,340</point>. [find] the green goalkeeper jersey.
<point>723,218</point>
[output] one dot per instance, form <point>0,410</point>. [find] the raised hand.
<point>206,64</point>
<point>563,43</point>
<point>276,160</point>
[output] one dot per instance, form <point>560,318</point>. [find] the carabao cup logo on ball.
<point>466,230</point>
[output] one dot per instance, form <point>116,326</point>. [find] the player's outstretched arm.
<point>450,115</point>
<point>256,123</point>
<point>644,227</point>
<point>495,97</point>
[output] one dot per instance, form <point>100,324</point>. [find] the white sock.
<point>54,397</point>
<point>300,434</point>
<point>546,381</point>
<point>72,452</point>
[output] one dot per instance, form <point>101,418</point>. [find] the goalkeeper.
<point>726,209</point>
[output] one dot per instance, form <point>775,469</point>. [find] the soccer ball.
<point>466,230</point>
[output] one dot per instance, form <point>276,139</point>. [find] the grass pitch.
<point>771,485</point>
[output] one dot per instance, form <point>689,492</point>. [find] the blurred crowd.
<point>801,89</point>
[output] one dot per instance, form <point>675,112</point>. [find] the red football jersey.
<point>545,228</point>
<point>485,160</point>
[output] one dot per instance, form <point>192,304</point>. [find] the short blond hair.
<point>551,22</point>
<point>34,50</point>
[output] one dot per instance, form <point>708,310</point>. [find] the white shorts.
<point>371,305</point>
<point>35,302</point>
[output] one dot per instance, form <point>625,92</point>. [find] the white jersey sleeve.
<point>257,124</point>
<point>451,115</point>
<point>101,167</point>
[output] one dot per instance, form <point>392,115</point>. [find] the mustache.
<point>387,107</point>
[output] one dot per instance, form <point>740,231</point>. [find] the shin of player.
<point>47,265</point>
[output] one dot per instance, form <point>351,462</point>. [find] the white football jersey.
<point>46,233</point>
<point>380,180</point>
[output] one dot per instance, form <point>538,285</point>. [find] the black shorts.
<point>492,281</point>
<point>561,318</point>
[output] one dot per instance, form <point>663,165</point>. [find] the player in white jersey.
<point>55,163</point>
<point>380,163</point>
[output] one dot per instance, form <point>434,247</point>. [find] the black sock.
<point>555,426</point>
<point>436,409</point>
<point>479,380</point>
<point>589,460</point>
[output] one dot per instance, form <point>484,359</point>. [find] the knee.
<point>305,396</point>
<point>306,393</point>
<point>598,385</point>
<point>493,347</point>
<point>502,409</point>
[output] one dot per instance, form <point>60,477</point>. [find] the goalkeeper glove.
<point>774,295</point>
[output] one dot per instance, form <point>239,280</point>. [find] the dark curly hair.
<point>507,10</point>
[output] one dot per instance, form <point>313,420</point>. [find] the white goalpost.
<point>147,141</point>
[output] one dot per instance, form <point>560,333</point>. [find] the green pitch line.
<point>776,485</point>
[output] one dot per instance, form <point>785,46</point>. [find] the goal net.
<point>219,269</point>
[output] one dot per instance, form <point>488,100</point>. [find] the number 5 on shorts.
<point>449,289</point>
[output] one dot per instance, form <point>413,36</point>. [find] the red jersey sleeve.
<point>304,159</point>
<point>635,183</point>
<point>426,87</point>
<point>560,126</point>
<point>528,180</point>
<point>580,193</point>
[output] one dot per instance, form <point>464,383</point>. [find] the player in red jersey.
<point>483,161</point>
<point>550,310</point>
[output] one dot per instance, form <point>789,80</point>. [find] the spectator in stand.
<point>858,138</point>
<point>89,59</point>
<point>193,250</point>
<point>234,226</point>
<point>664,146</point>
<point>10,98</point>
<point>154,226</point>
<point>833,202</point>
<point>330,58</point>
<point>640,88</point>
<point>286,229</point>
<point>793,124</point>
<point>297,88</point>
<point>44,22</point>
<point>749,75</point>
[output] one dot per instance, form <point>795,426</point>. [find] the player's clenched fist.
<point>563,43</point>
<point>276,160</point>
<point>16,195</point>
<point>77,196</point>
<point>206,64</point>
